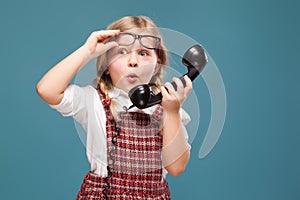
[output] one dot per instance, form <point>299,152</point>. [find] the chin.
<point>127,87</point>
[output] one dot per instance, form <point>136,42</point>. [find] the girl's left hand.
<point>172,100</point>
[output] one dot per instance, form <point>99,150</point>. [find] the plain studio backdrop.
<point>255,45</point>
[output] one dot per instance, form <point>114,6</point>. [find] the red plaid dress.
<point>134,159</point>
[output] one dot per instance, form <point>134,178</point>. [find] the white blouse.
<point>84,105</point>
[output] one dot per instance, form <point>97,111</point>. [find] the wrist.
<point>171,118</point>
<point>86,52</point>
<point>172,113</point>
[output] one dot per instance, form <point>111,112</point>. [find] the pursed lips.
<point>132,77</point>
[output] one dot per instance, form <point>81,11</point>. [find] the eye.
<point>122,51</point>
<point>144,53</point>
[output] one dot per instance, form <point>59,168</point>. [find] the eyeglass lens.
<point>125,39</point>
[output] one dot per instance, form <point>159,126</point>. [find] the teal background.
<point>255,45</point>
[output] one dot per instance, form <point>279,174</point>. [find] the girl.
<point>131,152</point>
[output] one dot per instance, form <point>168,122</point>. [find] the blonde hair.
<point>124,24</point>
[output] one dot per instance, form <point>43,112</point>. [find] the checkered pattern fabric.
<point>134,159</point>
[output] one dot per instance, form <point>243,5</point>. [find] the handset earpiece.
<point>194,58</point>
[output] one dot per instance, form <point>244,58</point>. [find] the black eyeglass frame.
<point>139,37</point>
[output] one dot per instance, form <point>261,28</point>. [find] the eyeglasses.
<point>127,39</point>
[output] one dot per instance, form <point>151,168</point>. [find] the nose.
<point>132,60</point>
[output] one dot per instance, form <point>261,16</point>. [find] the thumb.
<point>102,48</point>
<point>110,45</point>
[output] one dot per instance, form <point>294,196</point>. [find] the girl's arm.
<point>53,84</point>
<point>176,151</point>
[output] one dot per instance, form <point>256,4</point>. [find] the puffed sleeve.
<point>73,104</point>
<point>185,119</point>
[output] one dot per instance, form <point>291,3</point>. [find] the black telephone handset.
<point>142,96</point>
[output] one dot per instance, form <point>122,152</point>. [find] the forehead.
<point>141,31</point>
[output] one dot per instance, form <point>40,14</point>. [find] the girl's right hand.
<point>53,84</point>
<point>94,44</point>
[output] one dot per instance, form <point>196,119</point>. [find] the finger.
<point>102,48</point>
<point>109,45</point>
<point>169,88</point>
<point>104,34</point>
<point>189,85</point>
<point>188,82</point>
<point>178,82</point>
<point>164,92</point>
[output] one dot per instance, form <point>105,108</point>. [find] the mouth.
<point>132,77</point>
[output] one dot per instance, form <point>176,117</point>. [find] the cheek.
<point>147,72</point>
<point>116,71</point>
<point>150,65</point>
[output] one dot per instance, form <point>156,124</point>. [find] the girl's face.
<point>132,65</point>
